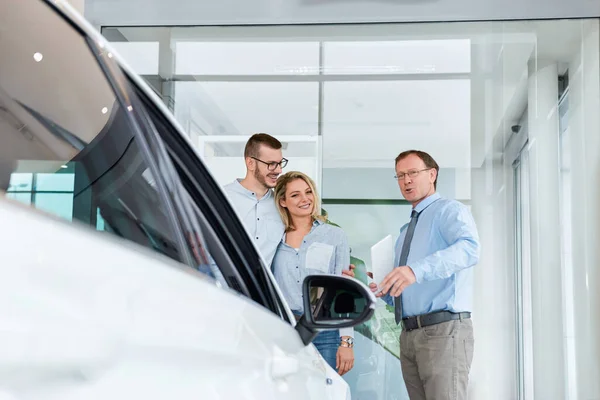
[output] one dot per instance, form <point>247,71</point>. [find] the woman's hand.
<point>344,360</point>
<point>350,271</point>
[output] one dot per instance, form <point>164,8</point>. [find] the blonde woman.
<point>310,246</point>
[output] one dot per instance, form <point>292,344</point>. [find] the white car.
<point>126,273</point>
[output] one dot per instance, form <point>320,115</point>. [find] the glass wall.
<point>510,111</point>
<point>51,192</point>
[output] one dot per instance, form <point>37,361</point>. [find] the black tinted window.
<point>66,144</point>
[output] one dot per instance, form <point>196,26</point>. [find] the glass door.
<point>523,277</point>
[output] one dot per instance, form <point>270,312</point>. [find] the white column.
<point>493,277</point>
<point>584,127</point>
<point>546,282</point>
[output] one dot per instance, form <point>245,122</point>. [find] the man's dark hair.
<point>253,144</point>
<point>426,158</point>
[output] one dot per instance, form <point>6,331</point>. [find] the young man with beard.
<point>432,285</point>
<point>252,196</point>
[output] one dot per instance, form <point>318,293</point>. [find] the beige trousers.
<point>436,360</point>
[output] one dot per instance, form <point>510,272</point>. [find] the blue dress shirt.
<point>444,247</point>
<point>260,218</point>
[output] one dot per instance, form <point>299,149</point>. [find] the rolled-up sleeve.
<point>458,229</point>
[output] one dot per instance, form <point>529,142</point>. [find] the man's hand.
<point>349,272</point>
<point>396,281</point>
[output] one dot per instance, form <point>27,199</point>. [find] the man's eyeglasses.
<point>272,166</point>
<point>411,174</point>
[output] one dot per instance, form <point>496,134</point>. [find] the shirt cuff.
<point>347,332</point>
<point>418,271</point>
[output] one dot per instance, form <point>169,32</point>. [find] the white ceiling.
<point>277,12</point>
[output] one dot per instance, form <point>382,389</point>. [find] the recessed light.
<point>104,110</point>
<point>38,57</point>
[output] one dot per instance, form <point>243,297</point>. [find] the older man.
<point>432,284</point>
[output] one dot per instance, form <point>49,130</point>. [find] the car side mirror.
<point>333,302</point>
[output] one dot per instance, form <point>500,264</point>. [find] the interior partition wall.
<point>510,111</point>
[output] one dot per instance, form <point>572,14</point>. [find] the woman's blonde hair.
<point>280,189</point>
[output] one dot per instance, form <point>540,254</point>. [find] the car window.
<point>66,144</point>
<point>238,260</point>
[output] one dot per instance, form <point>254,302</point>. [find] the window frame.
<point>185,171</point>
<point>133,96</point>
<point>217,212</point>
<point>141,129</point>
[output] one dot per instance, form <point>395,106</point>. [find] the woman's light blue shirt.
<point>324,250</point>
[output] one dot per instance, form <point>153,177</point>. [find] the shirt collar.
<point>237,186</point>
<point>426,202</point>
<point>316,223</point>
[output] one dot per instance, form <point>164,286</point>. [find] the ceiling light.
<point>64,166</point>
<point>129,108</point>
<point>109,55</point>
<point>104,110</point>
<point>38,57</point>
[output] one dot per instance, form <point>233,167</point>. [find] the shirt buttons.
<point>257,237</point>
<point>258,219</point>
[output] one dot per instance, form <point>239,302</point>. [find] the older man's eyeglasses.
<point>272,166</point>
<point>411,174</point>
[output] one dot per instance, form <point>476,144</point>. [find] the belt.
<point>434,318</point>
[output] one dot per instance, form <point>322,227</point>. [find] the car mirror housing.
<point>333,302</point>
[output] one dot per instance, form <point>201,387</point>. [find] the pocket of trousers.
<point>444,330</point>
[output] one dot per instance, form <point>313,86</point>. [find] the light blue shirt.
<point>324,250</point>
<point>444,247</point>
<point>260,217</point>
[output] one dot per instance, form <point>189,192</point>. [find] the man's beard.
<point>261,179</point>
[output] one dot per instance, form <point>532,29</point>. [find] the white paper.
<point>382,258</point>
<point>318,256</point>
